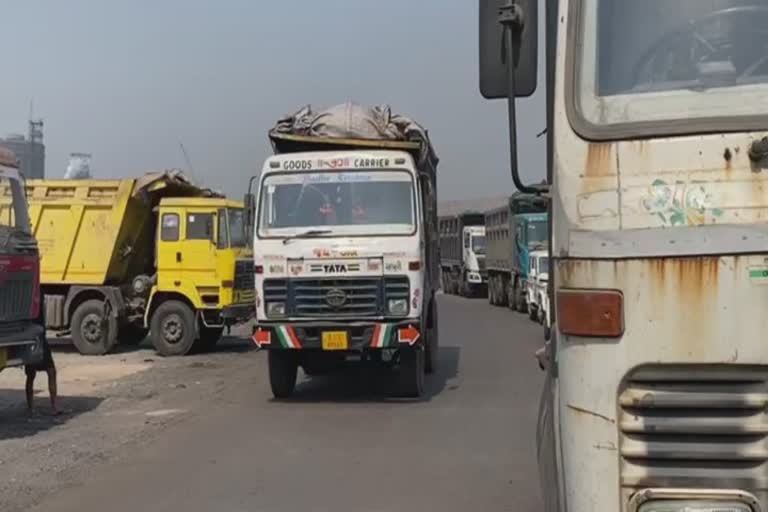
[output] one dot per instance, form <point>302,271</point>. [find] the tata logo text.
<point>335,268</point>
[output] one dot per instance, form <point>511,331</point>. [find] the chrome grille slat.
<point>695,426</point>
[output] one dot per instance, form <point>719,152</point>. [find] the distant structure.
<point>30,150</point>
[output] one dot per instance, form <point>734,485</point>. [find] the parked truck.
<point>462,254</point>
<point>513,231</point>
<point>345,243</point>
<point>121,258</point>
<point>21,330</point>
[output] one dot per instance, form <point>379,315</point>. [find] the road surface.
<point>342,445</point>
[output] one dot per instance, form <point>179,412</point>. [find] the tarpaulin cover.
<point>354,121</point>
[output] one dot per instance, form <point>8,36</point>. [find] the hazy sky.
<point>128,80</point>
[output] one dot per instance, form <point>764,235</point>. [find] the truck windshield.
<point>544,266</point>
<point>478,244</point>
<point>236,227</point>
<point>339,203</point>
<point>537,232</point>
<point>670,60</point>
<point>13,206</point>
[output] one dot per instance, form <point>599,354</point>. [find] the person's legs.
<point>53,389</point>
<point>30,388</point>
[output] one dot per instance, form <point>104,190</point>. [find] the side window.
<point>519,233</point>
<point>222,242</point>
<point>466,240</point>
<point>200,226</point>
<point>169,228</point>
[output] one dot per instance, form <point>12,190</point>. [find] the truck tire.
<point>92,333</point>
<point>522,305</point>
<point>172,328</point>
<point>432,345</point>
<point>283,367</point>
<point>533,313</point>
<point>512,296</point>
<point>411,374</point>
<point>131,335</point>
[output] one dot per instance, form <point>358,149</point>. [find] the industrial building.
<point>30,150</point>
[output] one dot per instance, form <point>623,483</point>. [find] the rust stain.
<point>600,160</point>
<point>594,414</point>
<point>691,277</point>
<point>728,157</point>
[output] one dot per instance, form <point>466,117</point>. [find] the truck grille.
<point>16,296</point>
<point>695,426</point>
<point>364,296</point>
<point>244,279</point>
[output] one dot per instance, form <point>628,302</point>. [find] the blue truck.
<point>513,231</point>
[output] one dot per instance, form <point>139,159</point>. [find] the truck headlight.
<point>275,308</point>
<point>397,306</point>
<point>694,506</point>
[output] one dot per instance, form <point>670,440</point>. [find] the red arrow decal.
<point>409,335</point>
<point>262,337</point>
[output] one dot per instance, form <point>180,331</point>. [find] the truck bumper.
<point>360,336</point>
<point>21,346</point>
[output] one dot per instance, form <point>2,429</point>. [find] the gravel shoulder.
<point>110,404</point>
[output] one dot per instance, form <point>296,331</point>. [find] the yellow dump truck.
<point>157,255</point>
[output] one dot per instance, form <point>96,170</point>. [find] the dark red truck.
<point>21,328</point>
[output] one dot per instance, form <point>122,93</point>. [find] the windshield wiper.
<point>307,234</point>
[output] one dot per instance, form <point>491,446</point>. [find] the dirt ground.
<point>109,404</point>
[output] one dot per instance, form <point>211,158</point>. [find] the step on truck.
<point>462,254</point>
<point>346,254</point>
<point>157,255</point>
<point>513,231</point>
<point>21,329</point>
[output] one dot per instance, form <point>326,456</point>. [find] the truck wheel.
<point>92,333</point>
<point>411,375</point>
<point>173,328</point>
<point>283,367</point>
<point>512,296</point>
<point>131,335</point>
<point>522,306</point>
<point>432,343</point>
<point>533,313</point>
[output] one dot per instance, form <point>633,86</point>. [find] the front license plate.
<point>335,340</point>
<point>3,357</point>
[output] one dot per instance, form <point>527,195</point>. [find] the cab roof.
<point>201,201</point>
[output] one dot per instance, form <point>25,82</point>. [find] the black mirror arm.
<point>512,18</point>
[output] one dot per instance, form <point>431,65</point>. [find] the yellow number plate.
<point>335,340</point>
<point>3,357</point>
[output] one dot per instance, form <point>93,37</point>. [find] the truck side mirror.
<point>249,202</point>
<point>502,22</point>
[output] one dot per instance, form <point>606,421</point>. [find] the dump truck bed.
<point>97,232</point>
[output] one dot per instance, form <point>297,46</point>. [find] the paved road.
<point>340,445</point>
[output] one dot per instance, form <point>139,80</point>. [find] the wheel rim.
<point>172,329</point>
<point>91,328</point>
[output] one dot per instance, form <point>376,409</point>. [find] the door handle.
<point>178,257</point>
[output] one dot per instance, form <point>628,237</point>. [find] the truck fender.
<point>157,297</point>
<point>79,294</point>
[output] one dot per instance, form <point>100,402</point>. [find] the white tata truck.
<point>346,254</point>
<point>462,254</point>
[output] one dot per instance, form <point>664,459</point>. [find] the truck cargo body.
<point>21,331</point>
<point>512,232</point>
<point>108,263</point>
<point>346,258</point>
<point>463,253</point>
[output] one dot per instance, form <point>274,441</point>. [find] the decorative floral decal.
<point>680,204</point>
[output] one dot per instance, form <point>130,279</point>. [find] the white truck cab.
<point>474,254</point>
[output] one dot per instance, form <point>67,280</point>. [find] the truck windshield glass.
<point>344,202</point>
<point>537,232</point>
<point>669,60</point>
<point>478,244</point>
<point>544,266</point>
<point>236,227</point>
<point>13,206</point>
